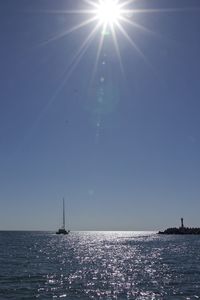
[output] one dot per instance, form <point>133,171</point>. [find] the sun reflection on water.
<point>101,265</point>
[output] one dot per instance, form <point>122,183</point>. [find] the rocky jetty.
<point>181,230</point>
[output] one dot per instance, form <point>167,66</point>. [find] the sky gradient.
<point>123,148</point>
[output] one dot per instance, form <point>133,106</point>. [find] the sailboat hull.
<point>62,231</point>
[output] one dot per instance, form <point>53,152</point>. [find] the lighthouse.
<point>182,225</point>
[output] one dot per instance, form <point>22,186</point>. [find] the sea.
<point>99,265</point>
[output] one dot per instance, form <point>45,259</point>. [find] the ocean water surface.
<point>99,265</point>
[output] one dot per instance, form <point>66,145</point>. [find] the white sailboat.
<point>62,230</point>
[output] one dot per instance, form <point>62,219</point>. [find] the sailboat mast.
<point>63,213</point>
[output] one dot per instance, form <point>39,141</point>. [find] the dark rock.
<point>180,230</point>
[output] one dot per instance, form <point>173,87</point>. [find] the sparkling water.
<point>99,265</point>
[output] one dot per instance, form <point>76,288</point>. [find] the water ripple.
<point>99,265</point>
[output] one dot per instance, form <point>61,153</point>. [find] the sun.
<point>108,19</point>
<point>108,12</point>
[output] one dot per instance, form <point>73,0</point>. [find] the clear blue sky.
<point>122,148</point>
